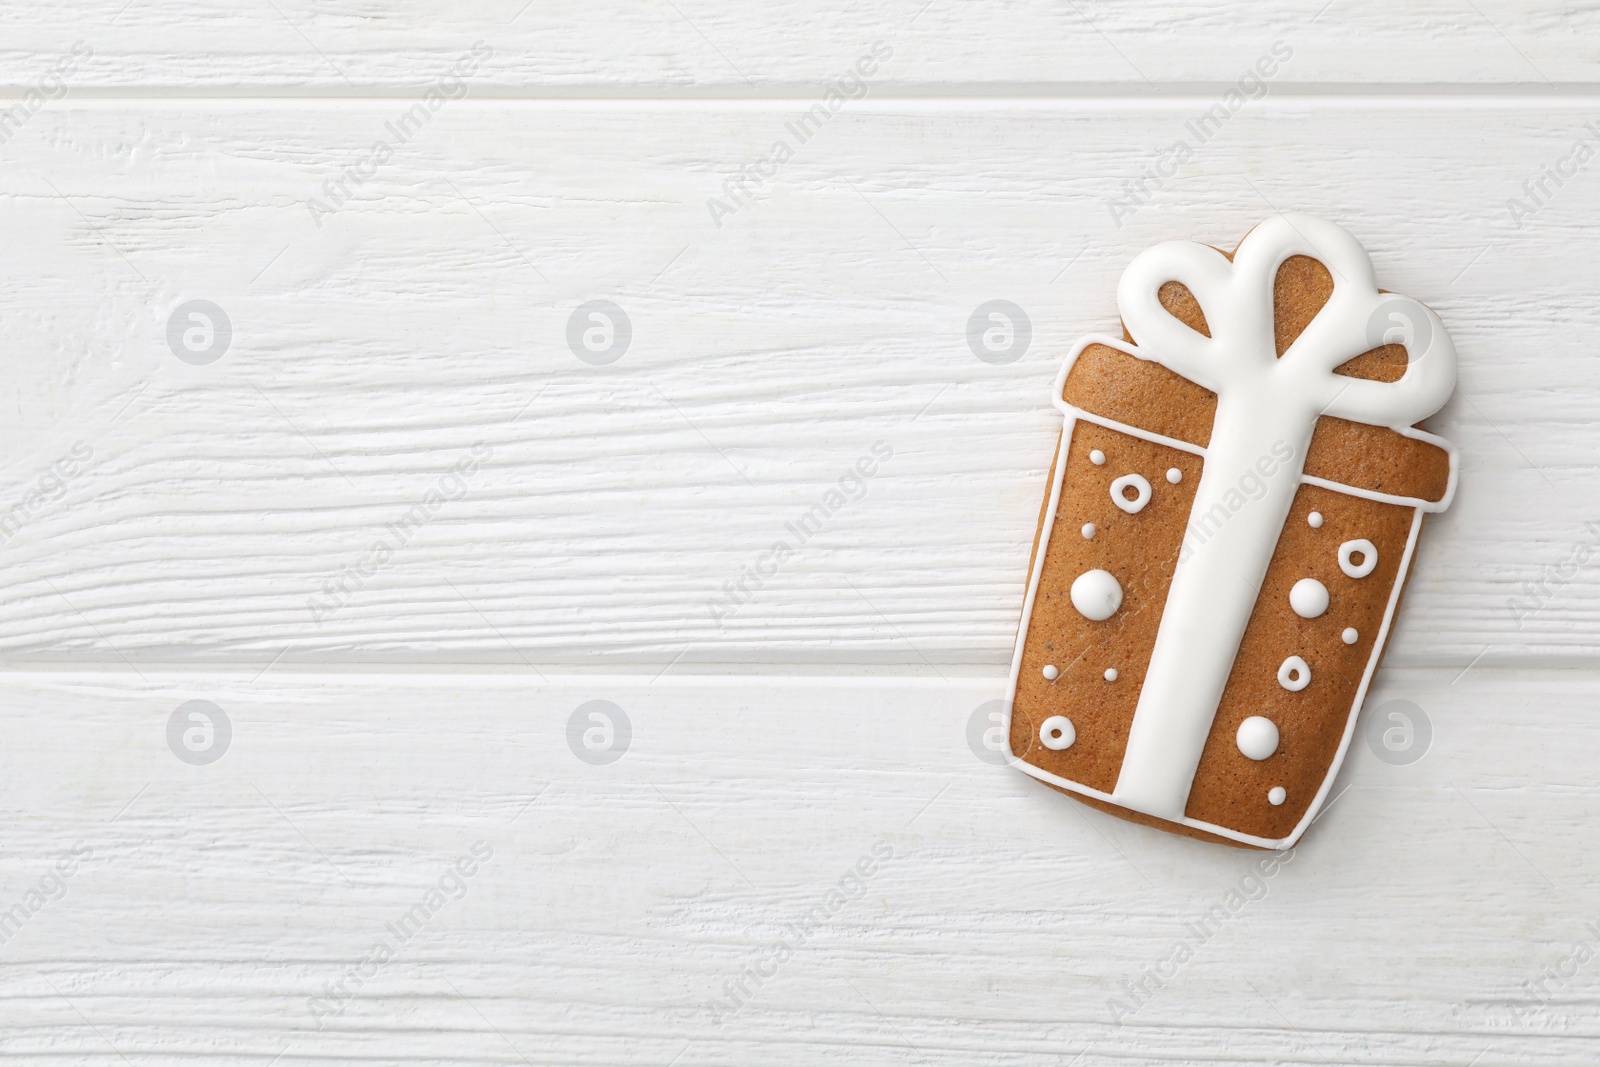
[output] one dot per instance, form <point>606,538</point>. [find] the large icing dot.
<point>1050,672</point>
<point>1139,485</point>
<point>1096,594</point>
<point>1350,636</point>
<point>1088,531</point>
<point>1111,674</point>
<point>1257,737</point>
<point>1057,733</point>
<point>1314,519</point>
<point>1097,457</point>
<point>1174,475</point>
<point>1359,547</point>
<point>1277,795</point>
<point>1308,598</point>
<point>1295,674</point>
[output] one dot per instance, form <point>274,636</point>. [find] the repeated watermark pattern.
<point>398,132</point>
<point>1555,978</point>
<point>1540,189</point>
<point>51,487</point>
<point>1399,732</point>
<point>599,732</point>
<point>340,589</point>
<point>52,86</point>
<point>199,732</point>
<point>1554,577</point>
<point>999,332</point>
<point>1253,84</point>
<point>448,888</point>
<point>1252,486</point>
<point>199,332</point>
<point>740,190</point>
<point>740,989</point>
<point>1139,989</point>
<point>599,332</point>
<point>851,486</point>
<point>51,888</point>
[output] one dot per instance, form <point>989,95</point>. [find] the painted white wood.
<point>217,900</point>
<point>686,45</point>
<point>429,312</point>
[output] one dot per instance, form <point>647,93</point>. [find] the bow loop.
<point>1237,300</point>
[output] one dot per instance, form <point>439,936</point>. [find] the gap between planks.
<point>933,97</point>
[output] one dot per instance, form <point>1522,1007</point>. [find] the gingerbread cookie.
<point>1232,511</point>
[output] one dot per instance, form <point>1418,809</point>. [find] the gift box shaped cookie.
<point>1231,514</point>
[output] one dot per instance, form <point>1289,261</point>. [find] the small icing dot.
<point>1140,487</point>
<point>1359,547</point>
<point>1350,636</point>
<point>1295,674</point>
<point>1050,672</point>
<point>1111,674</point>
<point>1174,475</point>
<point>1096,594</point>
<point>1088,531</point>
<point>1097,457</point>
<point>1257,737</point>
<point>1277,795</point>
<point>1057,733</point>
<point>1308,598</point>
<point>1314,520</point>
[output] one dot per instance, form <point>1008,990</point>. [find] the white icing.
<point>1057,733</point>
<point>1111,674</point>
<point>1439,355</point>
<point>1277,795</point>
<point>1314,520</point>
<point>1174,475</point>
<point>1257,737</point>
<point>1097,457</point>
<point>1294,674</point>
<point>1266,406</point>
<point>1309,598</point>
<point>1088,531</point>
<point>1139,484</point>
<point>1050,672</point>
<point>1369,557</point>
<point>1350,636</point>
<point>1096,594</point>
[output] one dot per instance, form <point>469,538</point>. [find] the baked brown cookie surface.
<point>1230,518</point>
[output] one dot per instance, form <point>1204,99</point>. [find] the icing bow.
<point>1236,298</point>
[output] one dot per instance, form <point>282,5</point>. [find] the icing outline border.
<point>1071,416</point>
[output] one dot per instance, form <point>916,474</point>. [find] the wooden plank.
<point>208,906</point>
<point>375,346</point>
<point>301,46</point>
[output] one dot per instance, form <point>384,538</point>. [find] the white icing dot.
<point>1139,485</point>
<point>1050,672</point>
<point>1314,520</point>
<point>1096,594</point>
<point>1097,457</point>
<point>1057,733</point>
<point>1088,531</point>
<point>1359,547</point>
<point>1350,636</point>
<point>1174,475</point>
<point>1295,674</point>
<point>1277,795</point>
<point>1111,674</point>
<point>1308,598</point>
<point>1257,737</point>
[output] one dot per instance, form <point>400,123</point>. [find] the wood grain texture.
<point>216,901</point>
<point>429,313</point>
<point>620,45</point>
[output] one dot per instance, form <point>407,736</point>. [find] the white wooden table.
<point>399,536</point>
